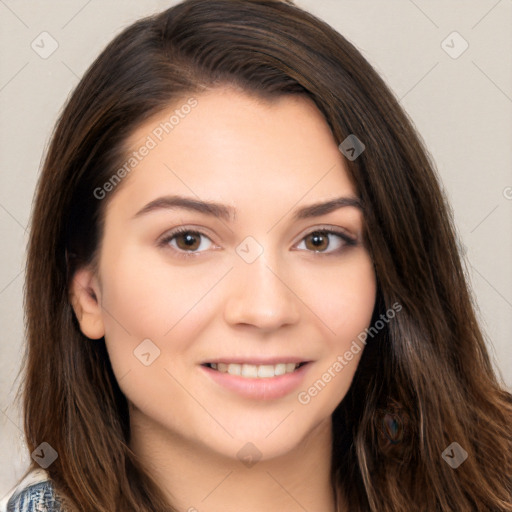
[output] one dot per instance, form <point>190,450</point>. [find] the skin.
<point>266,160</point>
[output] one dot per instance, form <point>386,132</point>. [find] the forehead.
<point>237,148</point>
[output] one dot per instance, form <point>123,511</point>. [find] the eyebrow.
<point>228,213</point>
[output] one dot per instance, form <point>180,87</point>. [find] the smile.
<point>258,381</point>
<point>254,371</point>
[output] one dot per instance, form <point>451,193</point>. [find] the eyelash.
<point>346,240</point>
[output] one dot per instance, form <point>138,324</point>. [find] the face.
<point>213,256</point>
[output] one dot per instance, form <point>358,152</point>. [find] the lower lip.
<point>260,389</point>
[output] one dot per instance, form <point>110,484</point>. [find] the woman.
<point>243,286</point>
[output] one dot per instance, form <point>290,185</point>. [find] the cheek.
<point>343,297</point>
<point>344,306</point>
<point>156,301</point>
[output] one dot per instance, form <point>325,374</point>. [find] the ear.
<point>86,301</point>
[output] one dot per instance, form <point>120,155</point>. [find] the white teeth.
<point>280,369</point>
<point>235,369</point>
<point>265,371</point>
<point>252,371</point>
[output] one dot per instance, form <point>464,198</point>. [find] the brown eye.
<point>188,241</point>
<point>326,241</point>
<point>319,241</point>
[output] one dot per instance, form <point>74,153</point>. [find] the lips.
<point>256,367</point>
<point>257,360</point>
<point>260,382</point>
<point>253,371</point>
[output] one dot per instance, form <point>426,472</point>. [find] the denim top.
<point>35,493</point>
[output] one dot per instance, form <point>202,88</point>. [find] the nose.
<point>261,296</point>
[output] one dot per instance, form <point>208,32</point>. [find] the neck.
<point>197,479</point>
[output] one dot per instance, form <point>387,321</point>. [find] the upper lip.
<point>257,360</point>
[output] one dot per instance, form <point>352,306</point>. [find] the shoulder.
<point>35,493</point>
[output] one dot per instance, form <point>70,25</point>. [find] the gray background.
<point>462,107</point>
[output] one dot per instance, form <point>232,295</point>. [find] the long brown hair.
<point>426,375</point>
